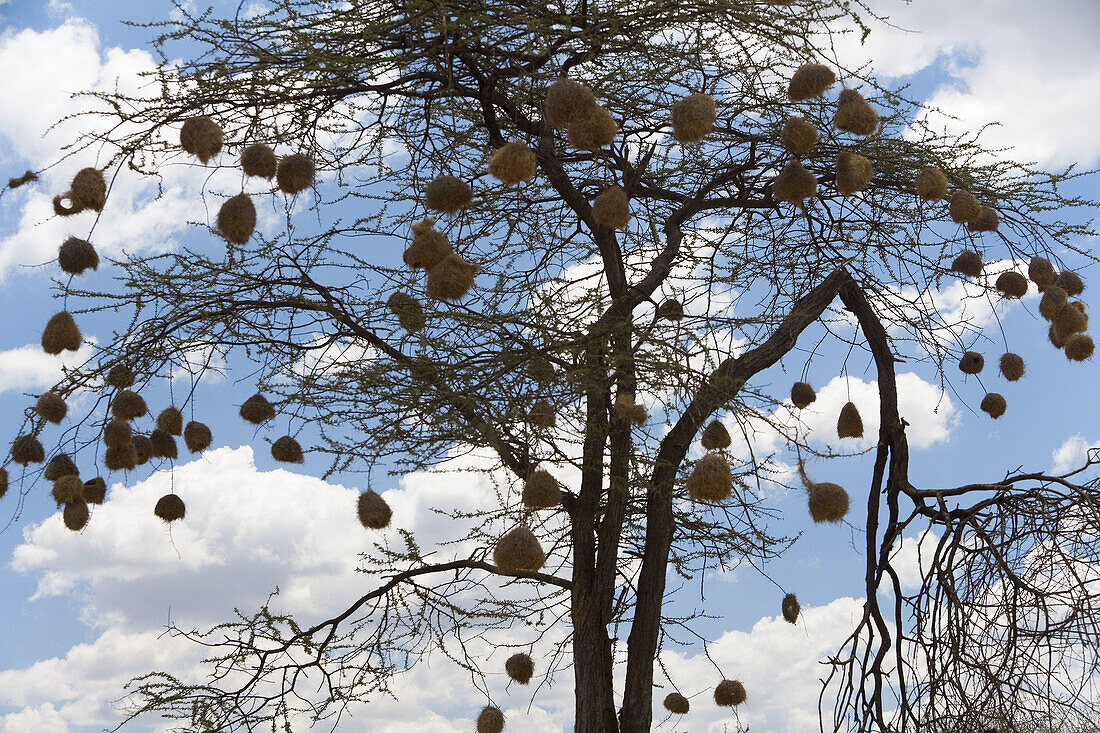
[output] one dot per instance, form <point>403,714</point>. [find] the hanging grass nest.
<point>791,608</point>
<point>61,209</point>
<point>671,309</point>
<point>51,407</point>
<point>259,161</point>
<point>257,410</point>
<point>143,448</point>
<point>117,432</point>
<point>94,490</point>
<point>120,377</point>
<point>693,118</point>
<point>593,128</point>
<point>88,190</point>
<point>853,172</point>
<point>76,515</point>
<point>1011,284</point>
<point>931,184</point>
<point>3,482</point>
<point>428,246</point>
<point>287,450</point>
<point>809,81</point>
<point>490,720</point>
<point>409,312</point>
<point>128,405</point>
<point>677,704</point>
<point>518,550</point>
<point>710,479</point>
<point>988,221</point>
<point>1041,272</point>
<point>540,369</point>
<point>964,207</point>
<point>23,180</point>
<point>798,136</point>
<point>971,363</point>
<point>202,137</point>
<point>447,194</point>
<point>197,437</point>
<point>715,436</point>
<point>520,667</point>
<point>67,488</point>
<point>849,424</point>
<point>1079,347</point>
<point>513,162</point>
<point>75,255</point>
<point>295,173</point>
<point>60,334</point>
<point>58,466</point>
<point>1053,300</point>
<point>855,114</point>
<point>1071,282</point>
<point>630,411</point>
<point>994,404</point>
<point>968,263</point>
<point>542,415</point>
<point>163,445</point>
<point>794,184</point>
<point>237,219</point>
<point>611,208</point>
<point>451,279</point>
<point>1056,337</point>
<point>729,693</point>
<point>373,511</point>
<point>541,491</point>
<point>828,502</point>
<point>26,449</point>
<point>566,100</point>
<point>802,395</point>
<point>170,420</point>
<point>1071,319</point>
<point>170,508</point>
<point>120,458</point>
<point>1012,366</point>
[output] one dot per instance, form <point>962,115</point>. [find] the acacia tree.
<point>593,343</point>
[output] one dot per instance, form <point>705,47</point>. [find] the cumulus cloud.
<point>29,368</point>
<point>1071,454</point>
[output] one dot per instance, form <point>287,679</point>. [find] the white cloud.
<point>1071,454</point>
<point>29,368</point>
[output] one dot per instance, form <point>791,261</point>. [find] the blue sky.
<point>82,613</point>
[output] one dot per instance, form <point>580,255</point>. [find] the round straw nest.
<point>518,550</point>
<point>593,128</point>
<point>1041,272</point>
<point>428,246</point>
<point>1071,319</point>
<point>88,190</point>
<point>931,184</point>
<point>849,424</point>
<point>257,410</point>
<point>710,479</point>
<point>75,255</point>
<point>809,81</point>
<point>541,491</point>
<point>729,693</point>
<point>566,100</point>
<point>988,220</point>
<point>520,667</point>
<point>670,309</point>
<point>94,490</point>
<point>258,160</point>
<point>61,209</point>
<point>202,137</point>
<point>630,411</point>
<point>197,437</point>
<point>693,118</point>
<point>855,114</point>
<point>447,194</point>
<point>117,433</point>
<point>451,279</point>
<point>677,704</point>
<point>75,515</point>
<point>798,136</point>
<point>540,369</point>
<point>26,449</point>
<point>237,219</point>
<point>1012,366</point>
<point>827,502</point>
<point>120,377</point>
<point>163,445</point>
<point>409,312</point>
<point>3,482</point>
<point>513,162</point>
<point>611,208</point>
<point>120,458</point>
<point>542,415</point>
<point>128,405</point>
<point>373,511</point>
<point>60,334</point>
<point>715,436</point>
<point>23,180</point>
<point>67,488</point>
<point>971,363</point>
<point>287,450</point>
<point>964,207</point>
<point>1011,284</point>
<point>170,420</point>
<point>143,447</point>
<point>1071,282</point>
<point>994,404</point>
<point>853,172</point>
<point>791,608</point>
<point>802,395</point>
<point>51,407</point>
<point>295,173</point>
<point>58,466</point>
<point>794,184</point>
<point>1079,347</point>
<point>968,263</point>
<point>490,720</point>
<point>170,508</point>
